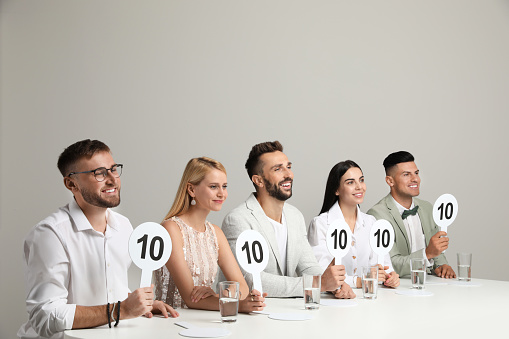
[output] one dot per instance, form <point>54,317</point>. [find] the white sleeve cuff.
<point>62,318</point>
<point>68,314</point>
<point>388,262</point>
<point>430,262</point>
<point>350,281</point>
<point>47,323</point>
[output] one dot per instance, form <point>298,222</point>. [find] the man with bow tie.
<point>416,234</point>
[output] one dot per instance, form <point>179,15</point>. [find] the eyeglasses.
<point>101,173</point>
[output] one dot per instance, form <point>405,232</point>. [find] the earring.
<point>193,202</point>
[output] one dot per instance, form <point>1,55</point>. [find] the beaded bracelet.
<point>113,312</point>
<point>109,315</point>
<point>118,314</point>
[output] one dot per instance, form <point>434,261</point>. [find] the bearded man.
<point>282,225</point>
<point>76,259</point>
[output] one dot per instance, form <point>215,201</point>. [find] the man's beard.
<point>96,200</point>
<point>275,191</point>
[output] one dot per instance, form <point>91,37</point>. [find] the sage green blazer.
<point>400,252</point>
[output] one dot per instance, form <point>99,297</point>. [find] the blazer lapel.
<point>266,228</point>
<point>393,210</point>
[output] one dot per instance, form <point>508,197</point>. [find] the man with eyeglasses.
<point>77,258</point>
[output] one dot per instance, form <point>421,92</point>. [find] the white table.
<point>453,311</point>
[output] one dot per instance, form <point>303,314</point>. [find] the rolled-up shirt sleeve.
<point>47,280</point>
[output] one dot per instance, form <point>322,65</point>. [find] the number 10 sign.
<point>445,211</point>
<point>381,238</point>
<point>149,248</point>
<point>339,239</point>
<point>253,255</point>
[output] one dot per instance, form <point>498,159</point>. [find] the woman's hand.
<point>254,302</point>
<point>345,292</point>
<point>382,275</point>
<point>393,280</point>
<point>201,292</point>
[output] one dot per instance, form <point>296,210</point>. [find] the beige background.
<point>163,81</point>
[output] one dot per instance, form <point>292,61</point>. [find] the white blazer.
<point>299,256</point>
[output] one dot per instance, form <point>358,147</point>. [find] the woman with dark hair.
<point>344,192</point>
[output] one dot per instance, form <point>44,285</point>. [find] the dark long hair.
<point>335,175</point>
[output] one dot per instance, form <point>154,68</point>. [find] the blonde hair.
<point>194,173</point>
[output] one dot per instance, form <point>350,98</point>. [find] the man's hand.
<point>345,292</point>
<point>137,303</point>
<point>158,307</point>
<point>445,271</point>
<point>437,245</point>
<point>392,280</point>
<point>333,277</point>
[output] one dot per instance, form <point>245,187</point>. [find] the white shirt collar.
<point>401,209</point>
<point>336,213</point>
<point>82,222</point>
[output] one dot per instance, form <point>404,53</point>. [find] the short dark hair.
<point>333,181</point>
<point>396,158</point>
<point>253,163</point>
<point>81,149</point>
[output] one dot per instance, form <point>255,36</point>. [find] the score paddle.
<point>445,211</point>
<point>253,255</point>
<point>381,239</point>
<point>149,248</point>
<point>339,239</point>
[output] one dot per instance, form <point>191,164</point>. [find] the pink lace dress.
<point>201,251</point>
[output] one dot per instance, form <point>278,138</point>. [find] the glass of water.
<point>464,266</point>
<point>229,293</point>
<point>370,281</point>
<point>312,286</point>
<point>418,269</point>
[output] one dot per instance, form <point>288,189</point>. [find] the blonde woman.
<point>199,246</point>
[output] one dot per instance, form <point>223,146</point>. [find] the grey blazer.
<point>299,256</point>
<point>400,252</point>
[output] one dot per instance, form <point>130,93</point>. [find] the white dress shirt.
<point>359,255</point>
<point>281,232</point>
<point>414,231</point>
<point>68,263</point>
